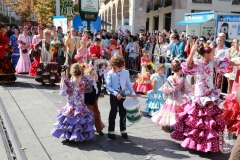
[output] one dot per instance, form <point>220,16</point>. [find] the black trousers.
<point>114,102</point>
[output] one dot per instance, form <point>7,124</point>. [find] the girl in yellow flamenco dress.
<point>143,82</point>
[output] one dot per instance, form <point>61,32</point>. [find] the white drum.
<point>132,107</point>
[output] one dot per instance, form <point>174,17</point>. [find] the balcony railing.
<point>202,1</point>
<point>167,3</point>
<point>235,2</point>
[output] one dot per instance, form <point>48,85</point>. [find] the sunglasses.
<point>201,41</point>
<point>234,42</point>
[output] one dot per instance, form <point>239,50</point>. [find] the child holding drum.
<point>175,86</point>
<point>156,98</point>
<point>116,83</point>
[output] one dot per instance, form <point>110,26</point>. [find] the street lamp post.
<point>57,7</point>
<point>133,16</point>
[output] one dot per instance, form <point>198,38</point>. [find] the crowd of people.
<point>188,104</point>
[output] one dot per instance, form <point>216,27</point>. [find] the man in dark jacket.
<point>11,31</point>
<point>226,43</point>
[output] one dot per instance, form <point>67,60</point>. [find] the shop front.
<point>199,24</point>
<point>206,23</point>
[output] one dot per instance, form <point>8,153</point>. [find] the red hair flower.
<point>113,42</point>
<point>207,48</point>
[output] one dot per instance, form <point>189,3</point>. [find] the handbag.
<point>35,53</point>
<point>24,50</point>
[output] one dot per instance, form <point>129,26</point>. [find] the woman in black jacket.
<point>151,45</point>
<point>91,99</point>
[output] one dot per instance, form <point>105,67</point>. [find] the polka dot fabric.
<point>198,126</point>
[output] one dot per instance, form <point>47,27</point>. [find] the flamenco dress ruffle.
<point>7,71</point>
<point>166,116</point>
<point>231,113</point>
<point>154,103</point>
<point>74,124</point>
<point>75,120</point>
<point>142,87</point>
<point>198,126</point>
<point>34,66</point>
<point>142,84</point>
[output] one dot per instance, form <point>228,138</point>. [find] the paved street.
<point>32,109</point>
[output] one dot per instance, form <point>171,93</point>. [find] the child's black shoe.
<point>125,135</point>
<point>111,136</point>
<point>101,133</point>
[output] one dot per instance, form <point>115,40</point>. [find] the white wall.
<point>161,15</point>
<point>178,14</point>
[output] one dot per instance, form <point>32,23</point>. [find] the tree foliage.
<point>43,9</point>
<point>23,8</point>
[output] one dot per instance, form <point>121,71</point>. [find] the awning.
<point>106,23</point>
<point>192,22</point>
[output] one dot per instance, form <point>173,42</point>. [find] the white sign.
<point>90,5</point>
<point>123,28</point>
<point>33,17</point>
<point>62,22</point>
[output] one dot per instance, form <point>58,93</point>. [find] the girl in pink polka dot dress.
<point>198,126</point>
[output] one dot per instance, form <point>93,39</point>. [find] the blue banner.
<point>81,25</point>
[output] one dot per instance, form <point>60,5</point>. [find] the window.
<point>235,2</point>
<point>202,1</point>
<point>196,11</point>
<point>168,3</point>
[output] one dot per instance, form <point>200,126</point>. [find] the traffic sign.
<point>88,9</point>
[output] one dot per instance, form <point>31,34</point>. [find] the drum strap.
<point>124,119</point>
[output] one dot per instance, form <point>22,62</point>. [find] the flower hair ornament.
<point>146,48</point>
<point>207,48</point>
<point>175,62</point>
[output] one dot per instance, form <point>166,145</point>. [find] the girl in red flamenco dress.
<point>35,40</point>
<point>231,107</point>
<point>143,82</point>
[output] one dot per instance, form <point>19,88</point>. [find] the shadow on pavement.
<point>130,150</point>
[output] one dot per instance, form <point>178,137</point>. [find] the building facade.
<point>158,14</point>
<point>116,13</point>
